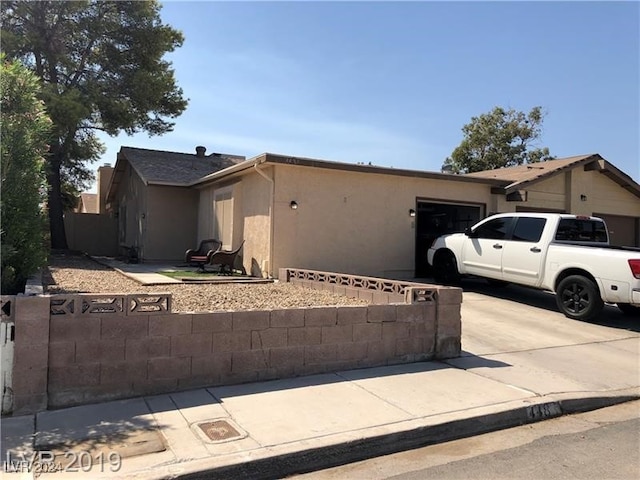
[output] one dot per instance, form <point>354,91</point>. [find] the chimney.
<point>200,151</point>
<point>105,172</point>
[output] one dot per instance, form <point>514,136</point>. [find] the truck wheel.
<point>628,309</point>
<point>445,269</point>
<point>578,298</point>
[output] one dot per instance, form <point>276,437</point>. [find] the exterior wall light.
<point>412,212</point>
<point>583,198</point>
<point>293,205</point>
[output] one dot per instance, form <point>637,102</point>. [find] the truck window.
<point>495,229</point>
<point>579,230</point>
<point>528,229</point>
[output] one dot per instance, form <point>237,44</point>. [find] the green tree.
<point>500,138</point>
<point>24,127</point>
<point>102,69</point>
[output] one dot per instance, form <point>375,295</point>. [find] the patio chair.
<point>225,259</point>
<point>202,255</point>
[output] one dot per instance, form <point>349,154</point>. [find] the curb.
<point>312,459</point>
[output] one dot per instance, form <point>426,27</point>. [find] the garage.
<point>439,218</point>
<point>623,231</point>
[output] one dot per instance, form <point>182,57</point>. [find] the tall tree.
<point>102,69</point>
<point>500,138</point>
<point>24,127</point>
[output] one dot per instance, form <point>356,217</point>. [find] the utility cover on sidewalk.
<point>218,430</point>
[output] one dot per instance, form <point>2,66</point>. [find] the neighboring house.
<point>87,203</point>
<point>361,219</point>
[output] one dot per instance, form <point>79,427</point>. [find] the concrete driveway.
<point>513,318</point>
<point>517,336</point>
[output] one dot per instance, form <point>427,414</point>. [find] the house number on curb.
<point>544,410</point>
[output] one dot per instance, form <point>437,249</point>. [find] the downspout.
<point>272,219</point>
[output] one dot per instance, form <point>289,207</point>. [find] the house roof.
<point>518,177</point>
<point>159,167</point>
<point>88,203</point>
<point>312,162</point>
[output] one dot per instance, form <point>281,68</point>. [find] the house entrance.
<point>437,218</point>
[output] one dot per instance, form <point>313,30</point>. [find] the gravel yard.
<point>80,274</point>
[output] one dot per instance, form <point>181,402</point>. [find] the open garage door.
<point>437,218</point>
<point>623,231</point>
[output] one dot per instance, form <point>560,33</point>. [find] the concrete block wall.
<point>90,354</point>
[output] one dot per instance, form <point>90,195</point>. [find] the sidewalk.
<point>276,428</point>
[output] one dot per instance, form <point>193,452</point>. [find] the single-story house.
<point>323,215</point>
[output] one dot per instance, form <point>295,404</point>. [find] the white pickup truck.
<point>566,254</point>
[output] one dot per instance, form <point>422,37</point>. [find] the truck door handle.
<point>497,246</point>
<point>535,249</point>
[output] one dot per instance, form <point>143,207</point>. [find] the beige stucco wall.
<point>257,222</point>
<point>170,222</point>
<point>354,222</point>
<point>563,191</point>
<point>251,194</point>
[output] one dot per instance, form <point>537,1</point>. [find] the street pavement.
<point>522,362</point>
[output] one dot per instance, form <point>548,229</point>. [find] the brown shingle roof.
<point>173,168</point>
<point>531,171</point>
<point>517,177</point>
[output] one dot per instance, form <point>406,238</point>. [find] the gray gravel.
<point>80,274</point>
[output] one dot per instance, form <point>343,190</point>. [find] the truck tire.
<point>578,298</point>
<point>628,309</point>
<point>445,268</point>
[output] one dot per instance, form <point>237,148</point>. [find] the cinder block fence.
<point>77,349</point>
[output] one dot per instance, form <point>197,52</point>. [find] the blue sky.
<point>392,83</point>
